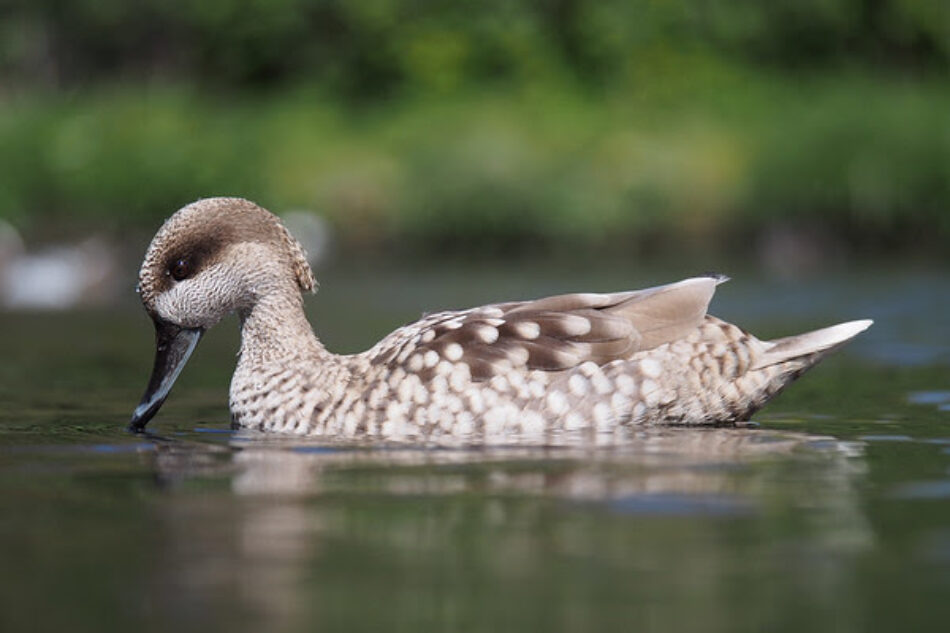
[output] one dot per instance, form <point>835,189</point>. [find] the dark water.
<point>833,513</point>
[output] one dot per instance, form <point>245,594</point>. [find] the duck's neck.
<point>275,329</point>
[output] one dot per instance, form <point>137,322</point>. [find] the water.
<point>831,513</point>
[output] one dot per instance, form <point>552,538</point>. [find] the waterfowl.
<point>597,364</point>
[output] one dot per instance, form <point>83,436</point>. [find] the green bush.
<point>369,48</point>
<point>502,124</point>
<point>549,165</point>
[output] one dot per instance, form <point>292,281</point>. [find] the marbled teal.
<point>596,365</point>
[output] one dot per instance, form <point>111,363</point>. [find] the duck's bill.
<point>173,347</point>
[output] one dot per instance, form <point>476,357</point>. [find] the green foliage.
<point>113,154</point>
<point>374,47</point>
<point>502,123</point>
<point>548,165</point>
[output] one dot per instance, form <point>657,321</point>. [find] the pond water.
<point>830,512</point>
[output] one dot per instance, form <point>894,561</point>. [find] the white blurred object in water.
<point>56,278</point>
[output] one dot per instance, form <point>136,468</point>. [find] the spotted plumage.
<point>596,364</point>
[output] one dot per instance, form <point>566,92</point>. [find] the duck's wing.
<point>552,334</point>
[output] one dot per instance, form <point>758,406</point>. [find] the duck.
<point>593,365</point>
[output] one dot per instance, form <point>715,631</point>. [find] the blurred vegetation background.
<point>501,126</point>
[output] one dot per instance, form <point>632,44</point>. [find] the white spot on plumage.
<point>532,423</point>
<point>453,352</point>
<point>495,420</point>
<point>650,392</point>
<point>475,402</point>
<point>459,376</point>
<point>464,423</point>
<point>394,412</point>
<point>536,389</point>
<point>557,403</point>
<point>499,384</point>
<point>573,421</point>
<point>444,368</point>
<point>650,368</point>
<point>420,394</point>
<point>446,420</point>
<point>575,325</point>
<point>602,416</point>
<point>396,377</point>
<point>431,358</point>
<point>601,383</point>
<point>518,355</point>
<point>503,366</point>
<point>453,403</point>
<point>405,390</point>
<point>578,385</point>
<point>349,425</point>
<point>527,330</point>
<point>619,402</point>
<point>487,334</point>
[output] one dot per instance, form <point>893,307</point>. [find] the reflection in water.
<point>509,511</point>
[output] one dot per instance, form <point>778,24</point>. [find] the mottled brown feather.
<point>570,329</point>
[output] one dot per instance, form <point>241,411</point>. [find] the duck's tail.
<point>782,361</point>
<point>804,350</point>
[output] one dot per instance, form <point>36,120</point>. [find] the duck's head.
<point>211,258</point>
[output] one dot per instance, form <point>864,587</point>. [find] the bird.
<point>591,365</point>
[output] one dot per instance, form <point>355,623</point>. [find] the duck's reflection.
<point>270,524</point>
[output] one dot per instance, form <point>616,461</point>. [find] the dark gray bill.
<point>173,347</point>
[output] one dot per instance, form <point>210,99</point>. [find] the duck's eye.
<point>181,269</point>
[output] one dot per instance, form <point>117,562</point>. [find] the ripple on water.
<point>316,450</point>
<point>939,398</point>
<point>110,449</point>
<point>904,353</point>
<point>673,504</point>
<point>937,489</point>
<point>886,438</point>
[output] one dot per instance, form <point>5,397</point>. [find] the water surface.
<point>830,512</point>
